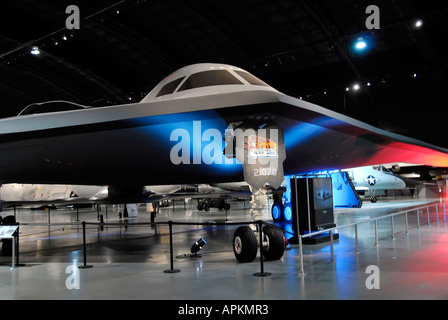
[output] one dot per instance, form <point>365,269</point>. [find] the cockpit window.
<point>209,78</point>
<point>169,87</point>
<point>383,169</point>
<point>251,78</point>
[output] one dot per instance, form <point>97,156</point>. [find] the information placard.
<point>7,231</point>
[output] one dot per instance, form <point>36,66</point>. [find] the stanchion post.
<point>418,218</point>
<point>16,247</point>
<point>13,263</point>
<point>332,245</point>
<point>392,227</point>
<point>301,272</point>
<point>260,233</point>
<point>376,233</point>
<point>85,266</point>
<point>444,211</point>
<point>407,226</point>
<point>437,213</point>
<point>18,264</point>
<point>172,270</point>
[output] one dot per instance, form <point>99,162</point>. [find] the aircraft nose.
<point>401,183</point>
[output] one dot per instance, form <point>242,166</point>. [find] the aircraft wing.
<point>48,202</point>
<point>134,144</point>
<point>325,140</point>
<point>121,200</point>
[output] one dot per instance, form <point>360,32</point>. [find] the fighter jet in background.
<point>43,195</point>
<point>373,179</point>
<point>38,193</point>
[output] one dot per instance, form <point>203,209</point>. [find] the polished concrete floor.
<point>128,261</point>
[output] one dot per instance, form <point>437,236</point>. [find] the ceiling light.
<point>360,44</point>
<point>419,23</point>
<point>35,51</point>
<point>356,87</point>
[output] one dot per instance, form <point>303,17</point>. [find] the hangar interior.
<point>393,78</point>
<point>301,48</point>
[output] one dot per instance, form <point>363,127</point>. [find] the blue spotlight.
<point>197,246</point>
<point>361,44</point>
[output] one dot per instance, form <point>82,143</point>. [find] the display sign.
<point>132,210</point>
<point>7,231</point>
<point>262,154</point>
<point>261,147</point>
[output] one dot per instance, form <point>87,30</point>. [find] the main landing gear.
<point>373,197</point>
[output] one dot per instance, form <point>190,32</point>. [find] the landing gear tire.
<point>277,212</point>
<point>287,213</point>
<point>275,244</point>
<point>245,244</point>
<point>373,199</point>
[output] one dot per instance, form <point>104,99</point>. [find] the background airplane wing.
<point>123,200</point>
